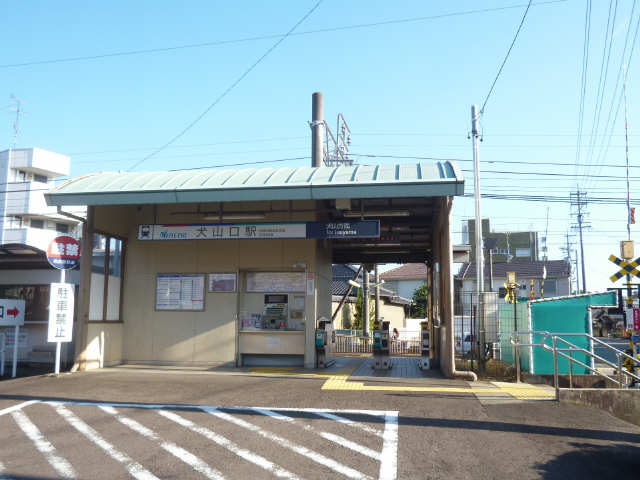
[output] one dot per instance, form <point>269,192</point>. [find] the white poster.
<point>60,312</point>
<point>275,282</point>
<point>222,282</point>
<point>180,291</point>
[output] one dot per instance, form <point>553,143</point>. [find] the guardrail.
<point>621,379</point>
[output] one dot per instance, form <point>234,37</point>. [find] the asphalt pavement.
<point>150,423</point>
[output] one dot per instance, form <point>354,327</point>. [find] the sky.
<point>110,83</point>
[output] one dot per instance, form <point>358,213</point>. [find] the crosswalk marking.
<point>44,446</point>
<point>229,445</point>
<point>349,422</point>
<point>356,447</point>
<point>389,465</point>
<point>283,442</point>
<point>134,468</point>
<point>325,438</point>
<point>187,457</point>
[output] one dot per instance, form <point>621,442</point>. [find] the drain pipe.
<point>465,375</point>
<point>70,215</point>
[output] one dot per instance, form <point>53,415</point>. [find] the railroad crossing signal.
<point>627,268</point>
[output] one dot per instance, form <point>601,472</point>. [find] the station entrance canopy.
<point>406,200</point>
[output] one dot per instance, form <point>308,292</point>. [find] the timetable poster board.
<point>276,282</point>
<point>222,282</point>
<point>180,291</point>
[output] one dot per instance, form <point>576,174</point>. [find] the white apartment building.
<point>25,174</point>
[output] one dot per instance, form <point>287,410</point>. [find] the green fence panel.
<point>564,315</point>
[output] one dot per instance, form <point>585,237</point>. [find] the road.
<point>149,423</point>
<point>608,354</point>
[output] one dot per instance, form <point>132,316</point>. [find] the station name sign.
<point>260,231</point>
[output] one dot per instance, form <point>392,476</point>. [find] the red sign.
<point>636,319</point>
<point>64,252</point>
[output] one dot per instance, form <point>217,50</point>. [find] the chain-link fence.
<point>477,336</point>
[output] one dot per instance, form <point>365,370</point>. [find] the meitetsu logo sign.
<point>64,252</point>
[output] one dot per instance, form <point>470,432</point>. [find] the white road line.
<point>351,423</point>
<point>44,446</point>
<point>20,406</point>
<point>229,445</point>
<point>304,451</point>
<point>389,462</point>
<point>135,469</point>
<point>356,447</point>
<point>187,457</point>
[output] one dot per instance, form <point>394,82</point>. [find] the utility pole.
<point>476,187</point>
<point>626,139</point>
<point>317,123</point>
<point>567,255</point>
<point>579,202</point>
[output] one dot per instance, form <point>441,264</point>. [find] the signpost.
<point>63,253</point>
<point>12,315</point>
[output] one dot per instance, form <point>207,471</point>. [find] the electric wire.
<point>583,80</point>
<point>229,88</point>
<point>268,37</point>
<point>611,121</point>
<point>506,57</point>
<point>602,81</point>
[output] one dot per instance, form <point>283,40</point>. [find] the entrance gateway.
<point>234,266</point>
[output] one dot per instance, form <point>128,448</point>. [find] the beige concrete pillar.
<point>446,282</point>
<point>84,294</point>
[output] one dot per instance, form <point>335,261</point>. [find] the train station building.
<point>234,267</point>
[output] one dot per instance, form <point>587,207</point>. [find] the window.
<point>35,223</point>
<point>62,228</point>
<point>40,178</point>
<point>106,281</point>
<point>21,176</point>
<point>36,299</point>
<point>550,287</point>
<point>15,222</point>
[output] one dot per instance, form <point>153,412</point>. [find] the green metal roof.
<point>254,184</point>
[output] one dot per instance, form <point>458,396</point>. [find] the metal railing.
<point>357,344</point>
<point>3,347</point>
<point>353,344</point>
<point>568,351</point>
<point>406,348</point>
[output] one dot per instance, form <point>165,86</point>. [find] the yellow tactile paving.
<point>340,381</point>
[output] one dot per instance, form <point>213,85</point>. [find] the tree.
<point>419,302</point>
<point>359,312</point>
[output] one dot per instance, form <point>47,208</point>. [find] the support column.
<point>446,275</point>
<point>84,296</point>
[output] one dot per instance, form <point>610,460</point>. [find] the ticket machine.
<point>381,346</point>
<point>324,342</point>
<point>423,363</point>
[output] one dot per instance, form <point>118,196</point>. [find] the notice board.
<point>180,291</point>
<point>276,281</point>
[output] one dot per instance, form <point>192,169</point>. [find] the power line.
<point>506,57</point>
<point>612,120</point>
<point>231,87</point>
<point>267,37</point>
<point>583,80</point>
